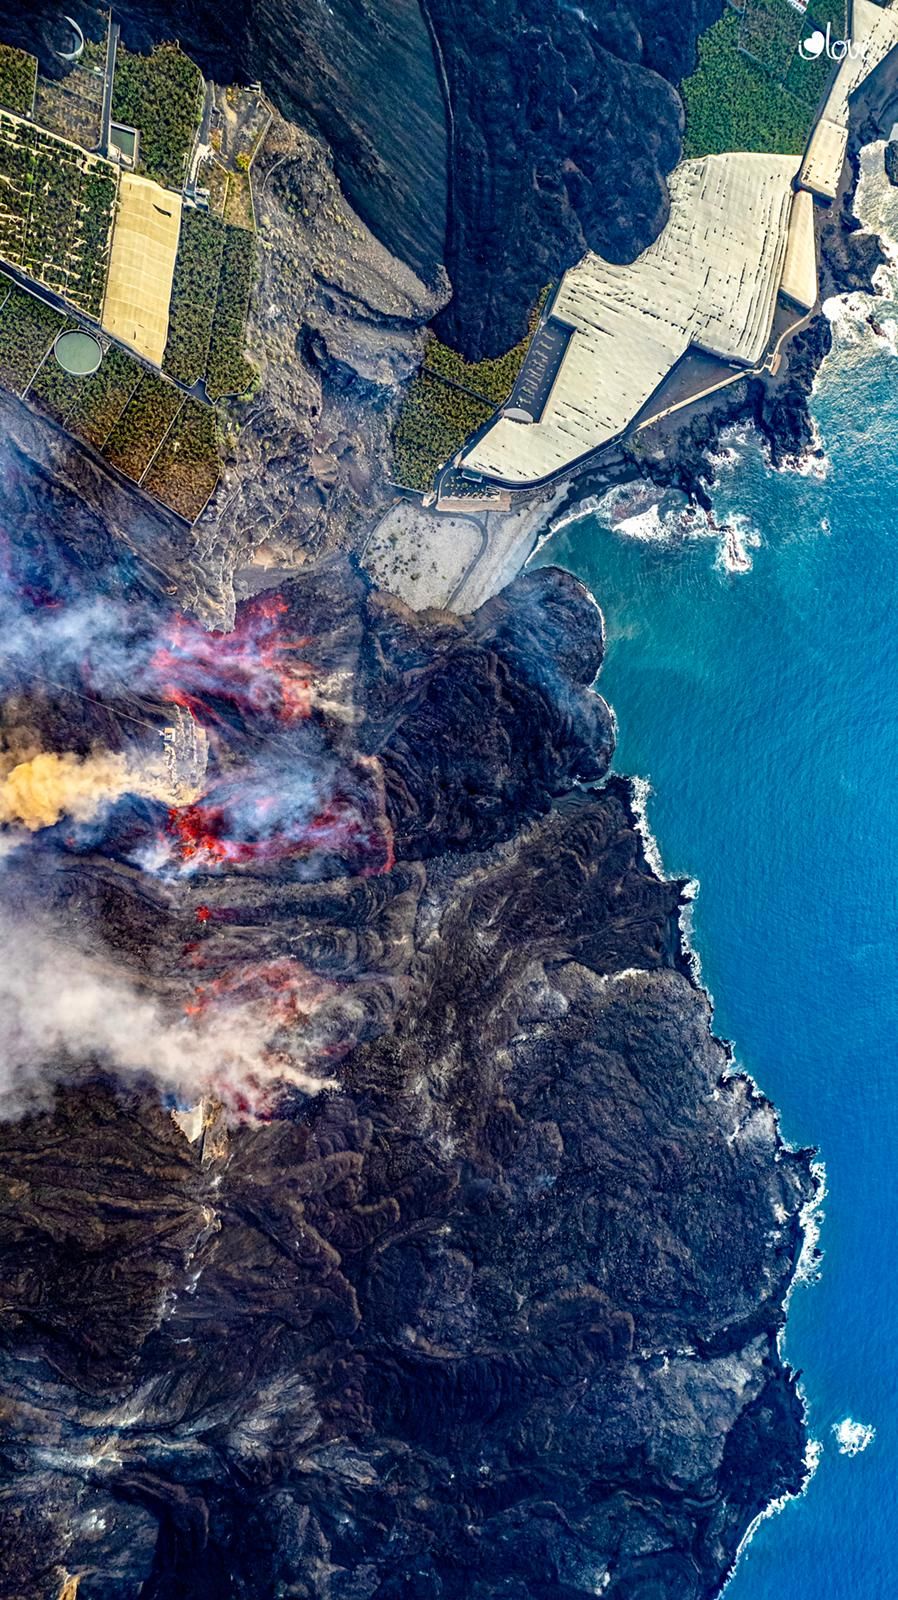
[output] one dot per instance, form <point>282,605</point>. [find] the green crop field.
<point>27,330</point>
<point>214,277</point>
<point>228,371</point>
<point>56,209</point>
<point>435,417</point>
<point>770,32</point>
<point>88,407</point>
<point>142,425</point>
<point>185,470</point>
<point>732,103</point>
<point>194,296</point>
<point>492,379</point>
<point>433,423</point>
<point>160,95</point>
<point>18,76</point>
<point>123,411</point>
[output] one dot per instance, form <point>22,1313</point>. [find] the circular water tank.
<point>78,353</point>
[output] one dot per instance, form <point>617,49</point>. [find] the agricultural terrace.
<point>18,76</point>
<point>214,277</point>
<point>134,418</point>
<point>433,423</point>
<point>448,400</point>
<point>72,105</point>
<point>27,330</point>
<point>56,208</point>
<point>161,95</point>
<point>751,90</point>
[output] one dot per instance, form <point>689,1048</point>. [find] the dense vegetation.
<point>18,75</point>
<point>71,105</point>
<point>434,422</point>
<point>161,95</point>
<point>56,208</point>
<point>770,31</point>
<point>185,470</point>
<point>27,329</point>
<point>122,410</point>
<point>228,372</point>
<point>492,379</point>
<point>436,417</point>
<point>194,296</point>
<point>89,406</point>
<point>142,425</point>
<point>88,262</point>
<point>214,276</point>
<point>732,103</point>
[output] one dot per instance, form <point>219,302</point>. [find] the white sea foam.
<point>812,462</point>
<point>856,319</point>
<point>853,1437</point>
<point>641,789</point>
<point>811,1219</point>
<point>644,525</point>
<point>687,927</point>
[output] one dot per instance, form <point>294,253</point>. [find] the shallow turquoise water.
<point>763,708</point>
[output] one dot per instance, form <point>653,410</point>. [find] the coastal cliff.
<point>566,123</point>
<point>496,1310</point>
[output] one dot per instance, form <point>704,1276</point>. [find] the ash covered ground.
<point>379,1216</point>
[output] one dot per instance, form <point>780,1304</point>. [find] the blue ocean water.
<point>763,709</point>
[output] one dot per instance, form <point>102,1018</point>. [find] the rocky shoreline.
<point>501,1309</point>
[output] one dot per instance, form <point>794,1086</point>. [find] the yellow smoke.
<point>37,793</point>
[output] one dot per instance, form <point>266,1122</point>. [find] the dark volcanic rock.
<point>495,1317</point>
<point>565,124</point>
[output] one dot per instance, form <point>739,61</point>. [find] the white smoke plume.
<point>63,1012</point>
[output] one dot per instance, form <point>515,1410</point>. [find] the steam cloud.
<point>240,704</point>
<point>37,793</point>
<point>61,1010</point>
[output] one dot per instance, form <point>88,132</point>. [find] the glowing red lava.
<point>257,667</point>
<point>201,837</point>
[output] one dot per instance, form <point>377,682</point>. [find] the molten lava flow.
<point>279,998</point>
<point>258,667</point>
<point>286,992</point>
<point>202,835</point>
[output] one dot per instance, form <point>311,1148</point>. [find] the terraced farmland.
<point>134,418</point>
<point>18,76</point>
<point>56,212</point>
<point>214,277</point>
<point>27,330</point>
<point>160,95</point>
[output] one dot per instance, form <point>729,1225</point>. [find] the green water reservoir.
<point>78,353</point>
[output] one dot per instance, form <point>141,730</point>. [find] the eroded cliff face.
<point>493,1315</point>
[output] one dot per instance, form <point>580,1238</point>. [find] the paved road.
<point>106,116</point>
